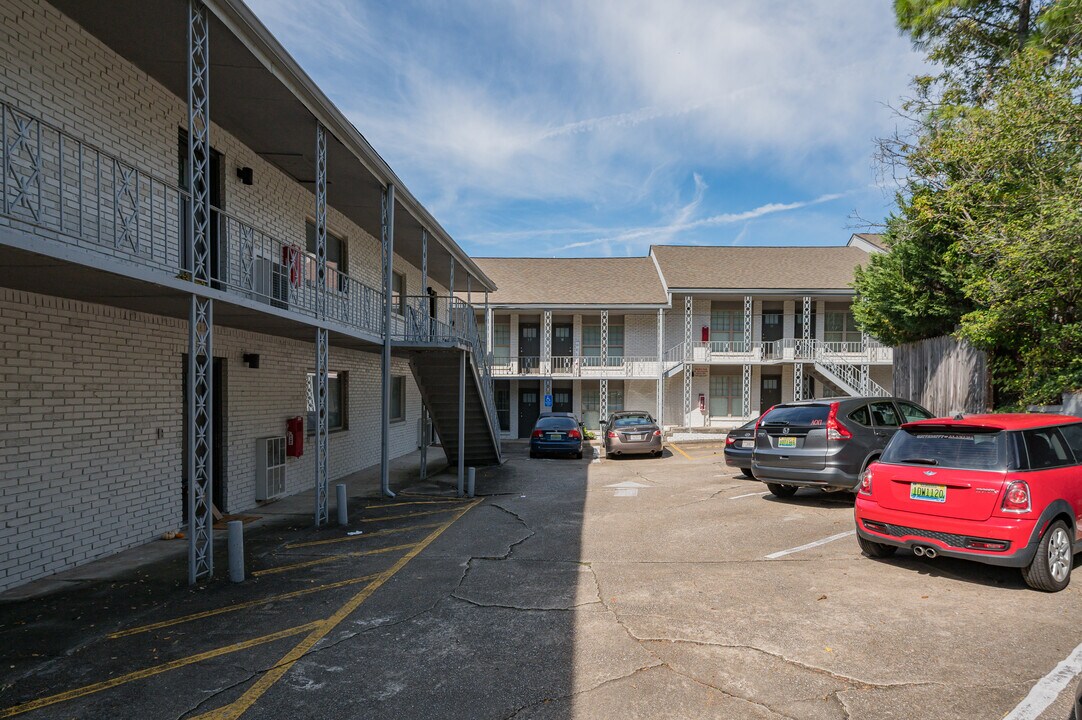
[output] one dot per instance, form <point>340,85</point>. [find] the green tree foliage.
<point>987,238</point>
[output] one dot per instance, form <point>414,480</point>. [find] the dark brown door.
<point>529,407</point>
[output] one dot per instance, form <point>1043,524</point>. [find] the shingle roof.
<point>574,281</point>
<point>826,268</point>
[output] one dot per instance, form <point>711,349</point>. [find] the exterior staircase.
<point>840,371</point>
<point>437,372</point>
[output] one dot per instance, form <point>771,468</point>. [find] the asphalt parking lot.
<point>630,588</point>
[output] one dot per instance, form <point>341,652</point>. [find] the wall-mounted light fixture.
<point>251,360</point>
<point>245,175</point>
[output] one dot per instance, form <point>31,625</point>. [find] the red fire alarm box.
<point>291,258</point>
<point>702,403</point>
<point>295,437</point>
<point>706,333</point>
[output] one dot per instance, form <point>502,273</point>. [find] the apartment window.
<point>398,293</point>
<point>502,396</point>
<point>841,328</point>
<point>398,398</point>
<point>336,258</point>
<point>726,325</point>
<point>336,402</point>
<point>591,340</point>
<point>726,395</point>
<point>501,340</point>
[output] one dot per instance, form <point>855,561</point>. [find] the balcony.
<point>768,352</point>
<point>128,229</point>
<point>576,367</point>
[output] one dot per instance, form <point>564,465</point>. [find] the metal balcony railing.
<point>576,366</point>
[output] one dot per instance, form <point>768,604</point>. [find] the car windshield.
<point>797,415</point>
<point>630,420</point>
<point>965,448</point>
<point>556,423</point>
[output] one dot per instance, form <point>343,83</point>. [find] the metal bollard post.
<point>471,478</point>
<point>343,508</point>
<point>236,550</point>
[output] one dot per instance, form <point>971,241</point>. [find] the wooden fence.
<point>943,374</point>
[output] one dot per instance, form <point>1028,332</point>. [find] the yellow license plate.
<point>787,442</point>
<point>928,493</point>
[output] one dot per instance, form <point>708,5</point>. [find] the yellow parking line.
<point>256,691</point>
<point>350,538</point>
<point>238,606</point>
<point>328,559</point>
<point>676,447</point>
<point>156,670</point>
<point>416,502</point>
<point>409,515</point>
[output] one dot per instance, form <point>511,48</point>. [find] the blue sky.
<point>599,127</point>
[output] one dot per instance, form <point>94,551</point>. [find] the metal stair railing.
<point>845,370</point>
<point>465,324</point>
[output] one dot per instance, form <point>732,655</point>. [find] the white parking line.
<point>809,546</point>
<point>767,492</point>
<point>1048,688</point>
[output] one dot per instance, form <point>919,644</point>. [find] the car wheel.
<point>533,455</point>
<point>1051,567</point>
<point>782,491</point>
<point>875,550</point>
<point>578,455</point>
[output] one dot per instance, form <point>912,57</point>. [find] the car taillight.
<point>835,430</point>
<point>729,440</point>
<point>611,434</point>
<point>1016,499</point>
<point>866,482</point>
<point>761,419</point>
<point>574,435</point>
<point>538,433</point>
<point>657,433</point>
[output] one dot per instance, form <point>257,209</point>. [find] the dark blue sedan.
<point>556,435</point>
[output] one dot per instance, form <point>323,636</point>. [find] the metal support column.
<point>688,368</point>
<point>604,339</point>
<point>546,350</point>
<point>387,226</point>
<point>748,325</point>
<point>746,390</point>
<point>603,409</point>
<point>200,387</point>
<point>461,423</point>
<point>490,332</point>
<point>660,366</point>
<point>803,349</point>
<point>469,289</point>
<point>322,343</point>
<point>865,376</point>
<point>451,293</point>
<point>426,323</point>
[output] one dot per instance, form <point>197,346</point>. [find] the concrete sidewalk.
<point>296,510</point>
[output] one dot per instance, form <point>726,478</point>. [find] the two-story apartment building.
<point>699,336</point>
<point>196,247</point>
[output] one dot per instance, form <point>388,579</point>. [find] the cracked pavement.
<point>554,598</point>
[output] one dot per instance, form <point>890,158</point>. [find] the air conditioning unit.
<point>270,468</point>
<point>272,282</point>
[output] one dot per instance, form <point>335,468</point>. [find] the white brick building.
<point>96,284</point>
<point>699,336</point>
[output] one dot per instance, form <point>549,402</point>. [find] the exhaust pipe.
<point>918,550</point>
<point>930,553</point>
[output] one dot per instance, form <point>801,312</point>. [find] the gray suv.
<point>826,443</point>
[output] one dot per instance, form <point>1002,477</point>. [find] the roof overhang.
<point>253,78</point>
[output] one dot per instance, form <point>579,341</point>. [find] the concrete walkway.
<point>290,510</point>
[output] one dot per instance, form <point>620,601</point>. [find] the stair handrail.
<point>470,335</point>
<point>852,374</point>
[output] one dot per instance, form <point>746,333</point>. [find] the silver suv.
<point>826,443</point>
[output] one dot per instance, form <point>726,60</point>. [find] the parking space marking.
<point>351,538</point>
<point>676,447</point>
<point>765,492</point>
<point>239,706</point>
<point>809,546</point>
<point>156,670</point>
<point>409,515</point>
<point>413,502</point>
<point>239,606</point>
<point>1048,688</point>
<point>328,559</point>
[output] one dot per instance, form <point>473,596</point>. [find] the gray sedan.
<point>632,432</point>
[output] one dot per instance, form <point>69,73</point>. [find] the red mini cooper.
<point>998,489</point>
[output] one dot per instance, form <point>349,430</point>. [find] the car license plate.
<point>632,438</point>
<point>928,493</point>
<point>747,443</point>
<point>787,442</point>
<point>556,436</point>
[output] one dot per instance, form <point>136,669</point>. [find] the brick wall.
<point>91,425</point>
